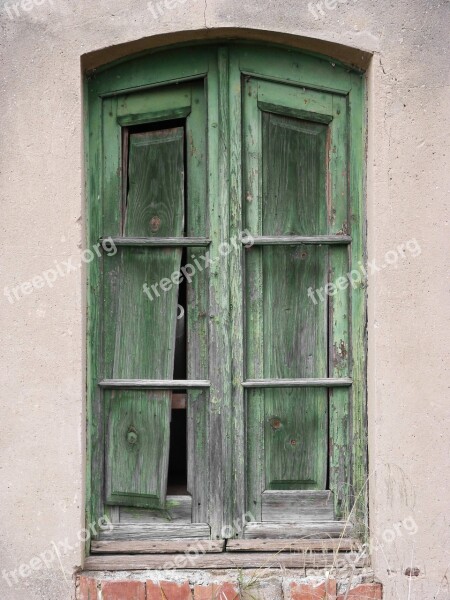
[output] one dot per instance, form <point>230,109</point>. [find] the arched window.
<point>227,314</point>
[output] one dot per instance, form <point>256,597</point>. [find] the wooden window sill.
<point>195,554</point>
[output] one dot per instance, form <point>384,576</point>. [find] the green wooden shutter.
<point>295,199</point>
<point>139,421</point>
<point>156,140</point>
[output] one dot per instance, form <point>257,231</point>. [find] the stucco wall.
<point>42,221</point>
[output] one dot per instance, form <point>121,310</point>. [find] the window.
<point>226,337</point>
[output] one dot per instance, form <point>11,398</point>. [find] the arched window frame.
<point>226,69</point>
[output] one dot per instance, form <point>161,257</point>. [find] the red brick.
<point>205,592</point>
<point>168,590</point>
<point>307,591</point>
<point>366,591</point>
<point>88,588</point>
<point>224,591</point>
<point>123,590</point>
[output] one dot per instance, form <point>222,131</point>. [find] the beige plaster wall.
<point>42,350</point>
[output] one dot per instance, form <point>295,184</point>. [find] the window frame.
<point>226,66</point>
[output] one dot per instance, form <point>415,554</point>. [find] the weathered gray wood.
<point>221,445</point>
<point>279,383</point>
<point>313,530</point>
<point>293,505</point>
<point>177,510</point>
<point>253,300</point>
<point>339,328</point>
<point>165,531</point>
<point>197,307</point>
<point>223,560</point>
<point>156,547</point>
<point>319,545</point>
<point>167,242</point>
<point>152,384</point>
<point>294,240</point>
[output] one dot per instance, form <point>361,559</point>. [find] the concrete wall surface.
<point>44,45</point>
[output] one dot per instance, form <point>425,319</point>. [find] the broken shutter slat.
<point>138,432</point>
<point>143,345</point>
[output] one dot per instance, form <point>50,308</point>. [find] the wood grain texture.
<point>295,439</point>
<point>94,216</point>
<point>236,275</point>
<point>310,382</point>
<point>138,430</point>
<point>197,306</point>
<point>177,510</point>
<point>294,174</point>
<point>296,545</point>
<point>253,301</point>
<point>220,449</point>
<point>165,242</point>
<point>157,547</point>
<point>358,304</point>
<point>224,560</point>
<point>155,201</point>
<point>339,322</point>
<point>153,384</point>
<point>290,506</point>
<point>155,531</point>
<point>137,448</point>
<point>294,240</point>
<point>297,529</point>
<point>286,193</point>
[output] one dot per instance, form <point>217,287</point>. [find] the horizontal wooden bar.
<point>155,531</point>
<point>152,384</point>
<point>154,116</point>
<point>280,383</point>
<point>222,560</point>
<point>296,530</point>
<point>176,242</point>
<point>324,545</point>
<point>156,546</point>
<point>283,240</point>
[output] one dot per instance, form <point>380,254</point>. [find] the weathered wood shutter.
<point>296,205</point>
<point>139,421</point>
<point>148,218</point>
<point>186,150</point>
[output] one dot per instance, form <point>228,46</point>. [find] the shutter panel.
<point>294,329</point>
<point>290,192</point>
<point>138,425</point>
